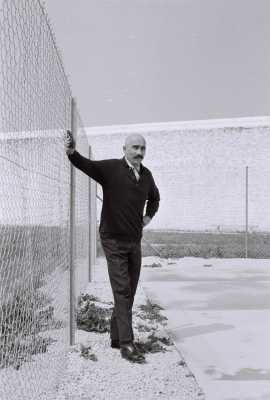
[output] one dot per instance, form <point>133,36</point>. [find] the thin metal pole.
<point>72,236</point>
<point>90,272</point>
<point>94,222</point>
<point>246,236</point>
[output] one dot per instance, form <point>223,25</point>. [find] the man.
<point>127,184</point>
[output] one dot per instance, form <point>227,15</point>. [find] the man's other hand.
<point>146,220</point>
<point>69,143</point>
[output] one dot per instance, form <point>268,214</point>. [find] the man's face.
<point>134,150</point>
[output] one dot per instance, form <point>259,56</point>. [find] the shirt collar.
<point>128,164</point>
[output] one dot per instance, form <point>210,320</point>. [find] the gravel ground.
<point>165,375</point>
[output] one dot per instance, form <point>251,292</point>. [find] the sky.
<point>145,61</point>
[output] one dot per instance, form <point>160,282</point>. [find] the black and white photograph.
<point>134,200</point>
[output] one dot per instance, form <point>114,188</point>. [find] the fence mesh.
<point>35,111</point>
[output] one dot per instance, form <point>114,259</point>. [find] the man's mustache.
<point>138,157</point>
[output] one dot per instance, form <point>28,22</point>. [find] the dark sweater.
<point>123,196</point>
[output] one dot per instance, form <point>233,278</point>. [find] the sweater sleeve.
<point>153,200</point>
<point>94,169</point>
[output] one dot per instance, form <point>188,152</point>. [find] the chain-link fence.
<point>38,194</point>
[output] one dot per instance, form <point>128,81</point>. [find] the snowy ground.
<point>219,318</point>
<point>164,376</point>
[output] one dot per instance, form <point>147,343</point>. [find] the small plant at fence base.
<point>21,321</point>
<point>153,344</point>
<point>151,312</point>
<point>86,353</point>
<point>93,318</point>
<point>90,317</point>
<point>145,328</point>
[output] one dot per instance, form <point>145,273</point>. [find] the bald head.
<point>134,148</point>
<point>134,138</point>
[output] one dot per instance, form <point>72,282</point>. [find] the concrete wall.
<point>200,170</point>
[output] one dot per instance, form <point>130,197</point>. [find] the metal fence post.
<point>246,235</point>
<point>72,236</point>
<point>93,224</point>
<point>90,272</point>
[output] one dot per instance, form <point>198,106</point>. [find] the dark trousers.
<point>124,266</point>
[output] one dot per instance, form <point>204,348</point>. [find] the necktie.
<point>135,173</point>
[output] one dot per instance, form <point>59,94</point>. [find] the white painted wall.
<point>199,167</point>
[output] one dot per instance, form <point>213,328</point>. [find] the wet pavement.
<point>219,317</point>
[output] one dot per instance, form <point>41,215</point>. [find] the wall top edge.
<point>246,122</point>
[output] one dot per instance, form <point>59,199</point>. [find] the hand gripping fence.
<point>45,207</point>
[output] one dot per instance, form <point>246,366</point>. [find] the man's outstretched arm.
<point>94,169</point>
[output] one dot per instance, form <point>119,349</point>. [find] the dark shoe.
<point>115,344</point>
<point>138,347</point>
<point>129,352</point>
